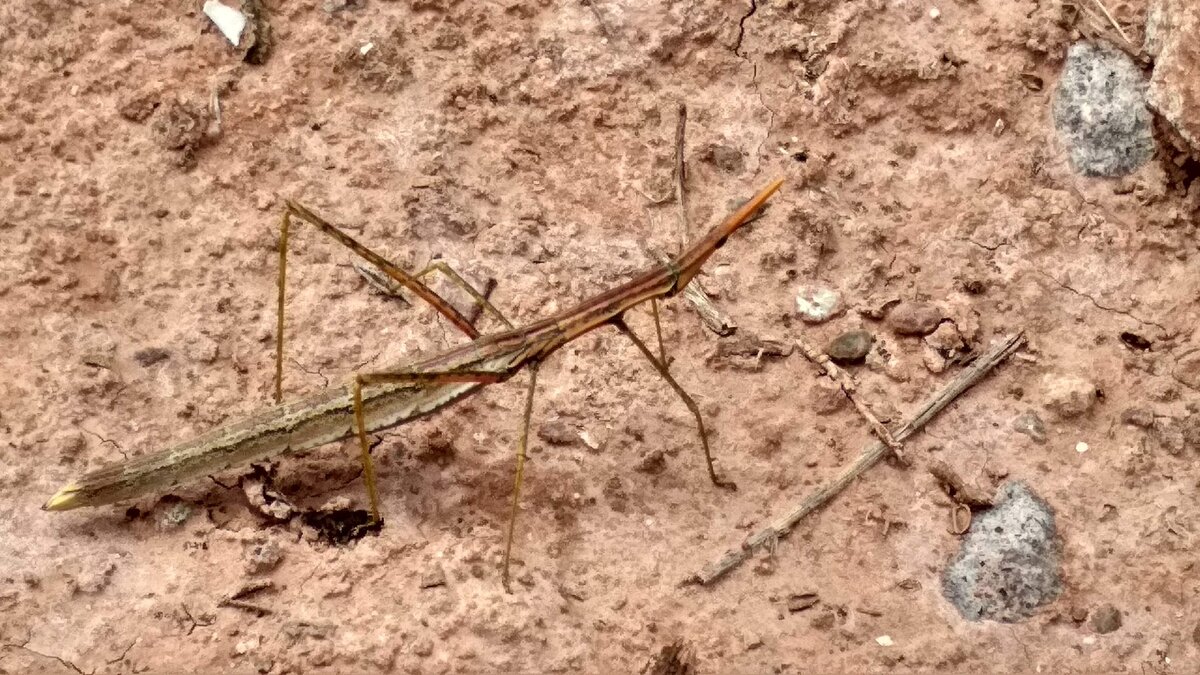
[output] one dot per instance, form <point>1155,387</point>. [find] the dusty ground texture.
<point>525,141</point>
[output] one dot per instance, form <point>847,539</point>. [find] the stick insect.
<point>373,401</point>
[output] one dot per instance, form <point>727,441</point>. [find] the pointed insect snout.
<point>690,262</point>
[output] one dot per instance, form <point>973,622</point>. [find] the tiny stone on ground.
<point>914,318</point>
<point>1031,425</point>
<point>850,347</point>
<point>817,304</point>
<point>1106,619</point>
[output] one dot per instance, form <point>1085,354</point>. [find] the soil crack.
<point>1103,307</point>
<point>737,46</point>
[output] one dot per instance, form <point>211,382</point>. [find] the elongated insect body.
<point>430,385</point>
<point>291,427</point>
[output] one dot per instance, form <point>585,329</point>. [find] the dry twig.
<point>846,382</point>
<point>871,456</point>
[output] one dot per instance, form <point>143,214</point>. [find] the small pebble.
<point>1081,447</point>
<point>435,576</point>
<point>1068,395</point>
<point>914,318</point>
<point>802,601</point>
<point>885,641</point>
<point>1138,417</point>
<point>1031,425</point>
<point>246,646</point>
<point>557,432</point>
<point>263,557</point>
<point>177,514</point>
<point>850,347</point>
<point>817,304</point>
<point>1106,619</point>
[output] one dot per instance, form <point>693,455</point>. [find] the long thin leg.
<point>478,297</point>
<point>521,447</point>
<point>285,223</point>
<point>662,350</point>
<point>398,275</point>
<point>434,378</point>
<point>393,272</point>
<point>687,400</point>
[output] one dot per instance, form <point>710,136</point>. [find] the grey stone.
<point>1100,111</point>
<point>850,347</point>
<point>1008,565</point>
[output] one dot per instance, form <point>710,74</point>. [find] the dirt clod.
<point>1068,396</point>
<point>914,318</point>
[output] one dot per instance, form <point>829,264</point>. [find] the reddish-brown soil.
<point>525,141</point>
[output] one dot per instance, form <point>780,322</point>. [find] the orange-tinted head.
<point>690,261</point>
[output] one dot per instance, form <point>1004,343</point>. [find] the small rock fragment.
<point>228,20</point>
<point>1068,395</point>
<point>817,304</point>
<point>850,347</point>
<point>557,432</point>
<point>1187,369</point>
<point>933,360</point>
<point>263,557</point>
<point>1171,30</point>
<point>914,318</point>
<point>946,339</point>
<point>433,577</point>
<point>885,641</point>
<point>825,397</point>
<point>1106,619</point>
<point>1138,417</point>
<point>802,601</point>
<point>423,647</point>
<point>246,646</point>
<point>724,157</point>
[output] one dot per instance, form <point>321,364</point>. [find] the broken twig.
<point>871,456</point>
<point>846,382</point>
